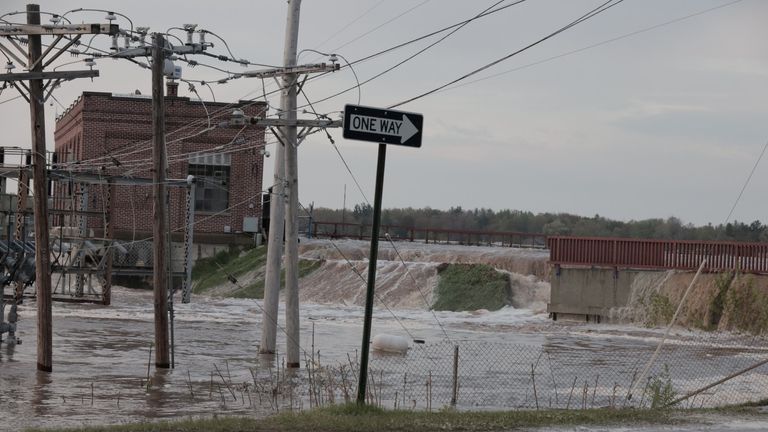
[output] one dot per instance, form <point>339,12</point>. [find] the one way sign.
<point>382,125</point>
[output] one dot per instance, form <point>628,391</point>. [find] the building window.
<point>211,172</point>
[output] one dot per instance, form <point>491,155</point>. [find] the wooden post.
<point>160,277</point>
<point>42,255</point>
<point>455,393</point>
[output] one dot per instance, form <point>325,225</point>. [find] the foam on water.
<point>409,283</point>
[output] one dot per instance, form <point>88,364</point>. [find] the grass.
<point>746,306</point>
<point>717,306</point>
<point>470,287</point>
<point>255,289</point>
<point>212,271</point>
<point>350,417</point>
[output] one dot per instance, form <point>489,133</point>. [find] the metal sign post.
<point>385,127</point>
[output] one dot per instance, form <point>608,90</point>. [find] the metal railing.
<point>659,254</point>
<point>429,235</point>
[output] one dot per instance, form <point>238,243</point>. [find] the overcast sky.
<point>667,122</point>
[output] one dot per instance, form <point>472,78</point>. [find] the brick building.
<point>111,134</point>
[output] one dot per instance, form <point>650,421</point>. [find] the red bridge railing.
<point>659,254</point>
<point>430,235</point>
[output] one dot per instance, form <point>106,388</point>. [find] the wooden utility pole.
<point>36,93</point>
<point>160,231</point>
<point>42,255</point>
<point>290,85</point>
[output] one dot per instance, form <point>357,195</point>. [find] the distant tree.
<point>556,227</point>
<point>547,223</point>
<point>363,212</point>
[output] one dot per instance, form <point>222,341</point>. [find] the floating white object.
<point>390,343</point>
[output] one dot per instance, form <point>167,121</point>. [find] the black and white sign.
<point>382,125</point>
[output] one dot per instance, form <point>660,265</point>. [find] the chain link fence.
<point>486,375</point>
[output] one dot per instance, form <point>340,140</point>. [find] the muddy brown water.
<point>101,355</point>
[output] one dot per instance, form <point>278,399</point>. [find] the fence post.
<point>455,394</point>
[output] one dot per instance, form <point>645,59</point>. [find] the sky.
<point>604,118</point>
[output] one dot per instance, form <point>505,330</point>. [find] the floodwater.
<point>101,357</point>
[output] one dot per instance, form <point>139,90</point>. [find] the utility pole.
<point>278,202</point>
<point>285,166</point>
<point>160,231</point>
<point>274,253</point>
<point>42,255</point>
<point>290,86</point>
<point>36,93</point>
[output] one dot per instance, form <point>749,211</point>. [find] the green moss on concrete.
<point>255,289</point>
<point>470,287</point>
<point>235,261</point>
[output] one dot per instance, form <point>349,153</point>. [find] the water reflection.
<point>41,392</point>
<point>101,356</point>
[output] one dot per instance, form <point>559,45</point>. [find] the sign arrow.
<point>408,130</point>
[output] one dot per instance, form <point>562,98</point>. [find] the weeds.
<point>659,310</point>
<point>660,390</point>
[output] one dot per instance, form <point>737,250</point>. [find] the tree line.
<point>459,218</point>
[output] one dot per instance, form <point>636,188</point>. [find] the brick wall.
<point>112,135</point>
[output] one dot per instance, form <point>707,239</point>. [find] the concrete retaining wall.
<point>589,293</point>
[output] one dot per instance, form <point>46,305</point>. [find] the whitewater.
<point>101,353</point>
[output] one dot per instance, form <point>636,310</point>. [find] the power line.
<point>382,25</point>
<point>349,24</point>
<point>222,110</point>
<point>746,183</point>
<point>454,29</point>
<point>595,45</point>
<point>416,284</point>
<point>592,13</point>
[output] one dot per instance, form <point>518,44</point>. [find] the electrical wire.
<point>595,45</point>
<point>349,65</point>
<point>202,102</point>
<point>416,284</point>
<point>231,278</point>
<point>98,10</point>
<point>333,143</point>
<point>746,183</point>
<point>378,297</point>
<point>415,40</point>
<point>592,13</point>
<point>11,99</point>
<point>390,240</point>
<point>400,15</point>
<point>232,58</point>
<point>349,24</point>
<point>419,52</point>
<point>25,12</point>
